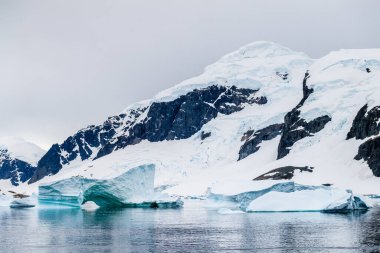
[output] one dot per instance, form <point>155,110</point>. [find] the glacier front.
<point>134,188</point>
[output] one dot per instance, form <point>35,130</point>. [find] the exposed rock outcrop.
<point>369,151</point>
<point>14,169</point>
<point>366,123</point>
<point>296,128</point>
<point>286,172</point>
<point>253,139</point>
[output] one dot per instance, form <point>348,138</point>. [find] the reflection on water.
<point>191,229</point>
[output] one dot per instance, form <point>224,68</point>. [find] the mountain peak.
<point>261,49</point>
<point>21,149</point>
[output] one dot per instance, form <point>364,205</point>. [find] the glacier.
<point>134,188</point>
<point>290,196</point>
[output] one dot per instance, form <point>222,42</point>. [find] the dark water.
<point>191,229</point>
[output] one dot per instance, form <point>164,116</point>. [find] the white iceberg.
<point>322,199</point>
<point>89,206</point>
<point>134,188</point>
<point>17,200</point>
<point>290,196</point>
<point>23,203</point>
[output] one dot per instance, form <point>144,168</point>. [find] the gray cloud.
<point>66,64</point>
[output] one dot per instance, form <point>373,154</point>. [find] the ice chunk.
<point>89,206</point>
<point>23,203</point>
<point>17,200</point>
<point>229,211</point>
<point>134,188</point>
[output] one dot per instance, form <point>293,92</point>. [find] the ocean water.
<point>194,228</point>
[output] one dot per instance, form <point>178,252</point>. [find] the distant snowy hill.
<point>22,149</point>
<point>261,113</point>
<point>18,159</point>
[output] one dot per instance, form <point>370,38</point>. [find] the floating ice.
<point>134,188</point>
<point>89,206</point>
<point>23,203</point>
<point>15,200</point>
<point>229,211</point>
<point>321,199</point>
<point>290,196</point>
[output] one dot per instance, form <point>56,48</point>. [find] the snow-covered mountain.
<point>22,149</point>
<point>263,112</point>
<point>18,159</point>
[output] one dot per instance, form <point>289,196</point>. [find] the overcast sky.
<point>66,64</point>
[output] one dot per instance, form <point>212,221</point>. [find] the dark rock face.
<point>286,172</point>
<point>14,169</point>
<point>184,116</point>
<point>253,139</point>
<point>83,144</point>
<point>177,119</point>
<point>365,124</point>
<point>369,151</point>
<point>296,128</point>
<point>50,163</point>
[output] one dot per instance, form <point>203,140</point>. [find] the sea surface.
<point>194,228</point>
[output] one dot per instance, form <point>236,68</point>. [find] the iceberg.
<point>325,200</point>
<point>17,200</point>
<point>23,203</point>
<point>134,188</point>
<point>289,196</point>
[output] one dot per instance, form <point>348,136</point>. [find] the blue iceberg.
<point>134,188</point>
